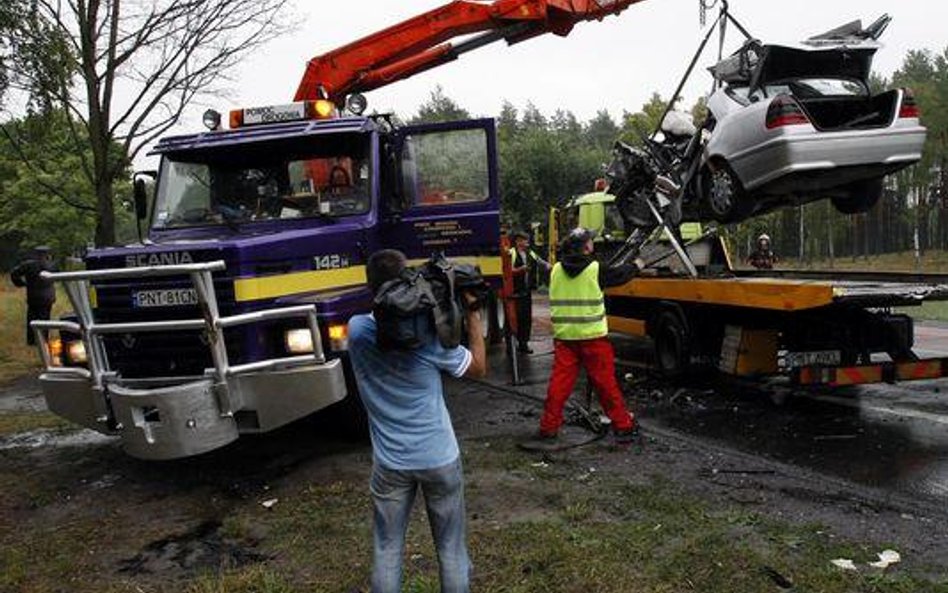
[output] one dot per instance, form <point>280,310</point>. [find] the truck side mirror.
<point>141,199</point>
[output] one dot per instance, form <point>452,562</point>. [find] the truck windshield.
<point>327,177</point>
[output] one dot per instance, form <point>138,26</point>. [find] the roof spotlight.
<point>357,103</point>
<point>212,120</point>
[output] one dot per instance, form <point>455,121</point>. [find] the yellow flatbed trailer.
<point>817,328</point>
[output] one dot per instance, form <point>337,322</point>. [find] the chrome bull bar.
<point>77,286</point>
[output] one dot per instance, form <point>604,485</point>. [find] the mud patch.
<point>53,438</point>
<point>201,549</point>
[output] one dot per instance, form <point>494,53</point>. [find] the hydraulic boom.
<point>423,42</point>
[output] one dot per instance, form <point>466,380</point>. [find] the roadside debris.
<point>269,503</point>
<point>886,559</point>
<point>844,563</point>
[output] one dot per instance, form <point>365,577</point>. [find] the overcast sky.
<point>615,64</point>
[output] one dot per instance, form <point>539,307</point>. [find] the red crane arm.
<point>419,43</point>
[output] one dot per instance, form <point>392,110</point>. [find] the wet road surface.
<point>893,437</point>
<point>890,437</point>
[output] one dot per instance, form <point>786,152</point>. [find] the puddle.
<point>51,438</point>
<point>199,549</point>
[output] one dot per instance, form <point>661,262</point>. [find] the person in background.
<point>525,264</point>
<point>413,441</point>
<point>763,257</point>
<point>40,293</point>
<point>577,308</point>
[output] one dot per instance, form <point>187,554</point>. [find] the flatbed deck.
<point>789,290</point>
<point>818,327</point>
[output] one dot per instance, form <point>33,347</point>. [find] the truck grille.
<point>165,354</point>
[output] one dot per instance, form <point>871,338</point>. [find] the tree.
<point>439,108</point>
<point>131,69</point>
<point>646,121</point>
<point>32,52</point>
<point>508,125</point>
<point>40,188</point>
<point>602,131</point>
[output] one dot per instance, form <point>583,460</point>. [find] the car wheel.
<point>860,196</point>
<point>724,195</point>
<point>671,338</point>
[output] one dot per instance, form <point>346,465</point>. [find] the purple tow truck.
<point>230,317</point>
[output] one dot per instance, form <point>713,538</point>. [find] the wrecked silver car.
<point>796,124</point>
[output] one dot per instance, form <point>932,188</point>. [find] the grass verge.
<point>16,358</point>
<point>534,527</point>
<point>17,422</point>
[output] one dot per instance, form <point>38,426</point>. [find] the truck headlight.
<point>76,352</point>
<point>339,336</point>
<point>55,348</point>
<point>298,341</point>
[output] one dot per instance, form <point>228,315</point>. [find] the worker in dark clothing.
<point>763,258</point>
<point>525,264</point>
<point>578,311</point>
<point>40,293</point>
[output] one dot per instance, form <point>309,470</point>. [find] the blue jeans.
<point>393,494</point>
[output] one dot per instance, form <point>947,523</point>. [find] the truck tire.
<point>492,315</point>
<point>348,419</point>
<point>672,344</point>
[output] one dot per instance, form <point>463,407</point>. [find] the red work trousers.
<point>597,357</point>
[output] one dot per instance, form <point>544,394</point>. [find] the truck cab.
<point>231,316</point>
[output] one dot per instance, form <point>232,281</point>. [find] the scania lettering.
<point>171,258</point>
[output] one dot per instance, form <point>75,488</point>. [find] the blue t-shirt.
<point>402,393</point>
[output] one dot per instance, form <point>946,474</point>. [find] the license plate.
<point>820,358</point>
<point>165,298</point>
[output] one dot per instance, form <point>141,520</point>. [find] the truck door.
<point>446,194</point>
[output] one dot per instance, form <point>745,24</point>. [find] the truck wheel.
<point>860,196</point>
<point>724,195</point>
<point>672,351</point>
<point>492,318</point>
<point>348,418</point>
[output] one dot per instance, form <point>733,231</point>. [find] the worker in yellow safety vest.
<point>525,265</point>
<point>578,311</point>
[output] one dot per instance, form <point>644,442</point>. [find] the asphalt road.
<point>888,437</point>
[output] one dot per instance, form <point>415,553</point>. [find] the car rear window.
<point>810,88</point>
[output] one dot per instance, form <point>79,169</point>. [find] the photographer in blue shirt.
<point>413,441</point>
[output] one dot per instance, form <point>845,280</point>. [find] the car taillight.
<point>909,109</point>
<point>784,111</point>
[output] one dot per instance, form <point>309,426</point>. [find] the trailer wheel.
<point>671,337</point>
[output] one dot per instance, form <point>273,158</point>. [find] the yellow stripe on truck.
<point>280,285</point>
<point>271,287</point>
<point>490,266</point>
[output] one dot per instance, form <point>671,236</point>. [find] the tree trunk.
<point>829,235</point>
<point>802,236</point>
<point>105,214</point>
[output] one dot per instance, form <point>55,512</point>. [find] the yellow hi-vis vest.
<point>577,305</point>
